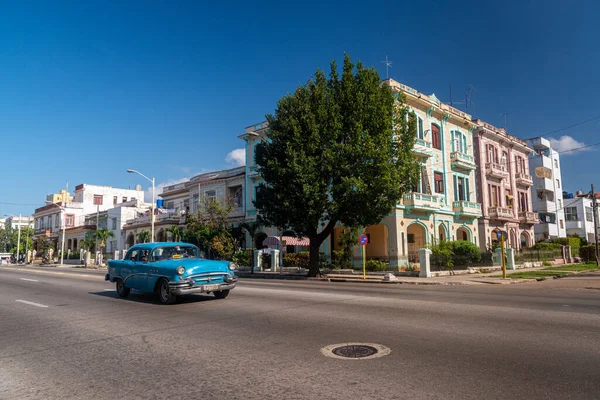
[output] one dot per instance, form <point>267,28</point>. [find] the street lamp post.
<point>133,171</point>
<point>18,235</point>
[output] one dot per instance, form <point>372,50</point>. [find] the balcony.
<point>576,225</point>
<point>423,148</point>
<point>462,161</point>
<point>467,208</point>
<point>500,213</point>
<point>524,179</point>
<point>421,201</point>
<point>528,217</point>
<point>496,170</point>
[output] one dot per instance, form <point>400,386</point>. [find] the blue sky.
<point>89,89</point>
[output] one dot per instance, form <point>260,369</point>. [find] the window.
<point>132,255</point>
<point>98,199</point>
<point>558,183</point>
<point>124,199</point>
<point>559,203</point>
<point>114,223</point>
<point>195,199</point>
<point>555,163</point>
<point>115,199</point>
<point>492,154</point>
<point>170,205</point>
<point>571,214</point>
<point>548,218</point>
<point>420,132</point>
<point>494,197</point>
<point>588,214</point>
<point>239,198</point>
<point>509,198</point>
<point>523,203</point>
<point>562,226</point>
<point>70,220</point>
<point>435,137</point>
<point>438,180</point>
<point>211,195</point>
<point>57,221</point>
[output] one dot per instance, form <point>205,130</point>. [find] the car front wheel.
<point>221,294</point>
<point>122,290</point>
<point>164,293</point>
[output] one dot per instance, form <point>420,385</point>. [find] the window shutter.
<point>468,190</point>
<point>456,196</point>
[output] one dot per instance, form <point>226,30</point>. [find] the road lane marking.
<point>29,280</point>
<point>31,303</point>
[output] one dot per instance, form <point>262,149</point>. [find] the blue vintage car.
<point>170,269</point>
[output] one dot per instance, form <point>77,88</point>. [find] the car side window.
<point>132,255</point>
<point>144,255</point>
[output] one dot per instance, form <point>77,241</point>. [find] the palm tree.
<point>176,232</point>
<point>143,236</point>
<point>102,235</point>
<point>89,241</point>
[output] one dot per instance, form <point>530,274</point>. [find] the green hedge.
<point>588,253</point>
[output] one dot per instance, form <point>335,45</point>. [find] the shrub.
<point>465,251</point>
<point>547,246</point>
<point>375,265</point>
<point>588,253</point>
<point>574,242</point>
<point>341,259</point>
<point>546,263</point>
<point>296,260</point>
<point>241,258</point>
<point>441,254</point>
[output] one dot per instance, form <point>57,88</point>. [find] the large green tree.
<point>338,149</point>
<point>102,235</point>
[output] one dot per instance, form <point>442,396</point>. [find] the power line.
<point>572,126</point>
<point>18,204</point>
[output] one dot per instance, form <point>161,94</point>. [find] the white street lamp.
<point>18,234</point>
<point>133,171</point>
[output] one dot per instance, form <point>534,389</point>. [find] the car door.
<point>127,268</point>
<point>140,270</point>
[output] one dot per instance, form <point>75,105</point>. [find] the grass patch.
<point>573,267</point>
<point>533,274</point>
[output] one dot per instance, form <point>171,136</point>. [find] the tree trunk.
<point>313,268</point>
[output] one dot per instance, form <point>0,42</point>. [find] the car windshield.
<point>174,252</point>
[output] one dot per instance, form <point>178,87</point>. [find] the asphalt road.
<point>70,337</point>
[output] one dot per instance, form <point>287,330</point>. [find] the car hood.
<point>197,265</point>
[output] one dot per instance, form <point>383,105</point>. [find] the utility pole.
<point>27,242</point>
<point>97,220</point>
<point>18,238</point>
<point>595,209</point>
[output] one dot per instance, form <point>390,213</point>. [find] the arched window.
<point>435,137</point>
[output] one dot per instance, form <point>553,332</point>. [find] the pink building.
<point>503,187</point>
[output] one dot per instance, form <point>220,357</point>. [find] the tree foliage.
<point>338,149</point>
<point>143,236</point>
<point>176,232</point>
<point>102,235</point>
<point>210,229</point>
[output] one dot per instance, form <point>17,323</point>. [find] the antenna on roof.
<point>505,120</point>
<point>469,98</point>
<point>388,64</point>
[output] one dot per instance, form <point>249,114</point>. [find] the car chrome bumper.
<point>181,288</point>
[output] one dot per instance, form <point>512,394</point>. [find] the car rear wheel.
<point>221,294</point>
<point>122,290</point>
<point>164,293</point>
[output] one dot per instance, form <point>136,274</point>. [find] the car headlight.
<point>180,270</point>
<point>232,266</point>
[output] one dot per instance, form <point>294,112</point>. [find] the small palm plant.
<point>102,235</point>
<point>176,232</point>
<point>143,236</point>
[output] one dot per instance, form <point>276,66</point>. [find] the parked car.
<point>170,269</point>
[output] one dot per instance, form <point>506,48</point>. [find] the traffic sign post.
<point>364,240</point>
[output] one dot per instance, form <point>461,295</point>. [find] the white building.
<point>88,200</point>
<point>579,216</point>
<point>17,222</point>
<point>547,189</point>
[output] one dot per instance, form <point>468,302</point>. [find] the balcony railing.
<point>500,213</point>
<point>496,170</point>
<point>524,179</point>
<point>528,217</point>
<point>463,160</point>
<point>466,208</point>
<point>422,147</point>
<point>421,200</point>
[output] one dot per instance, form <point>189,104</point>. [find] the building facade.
<point>16,222</point>
<point>504,187</point>
<point>442,206</point>
<point>544,165</point>
<point>579,215</point>
<point>183,198</point>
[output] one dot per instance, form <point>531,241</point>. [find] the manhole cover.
<point>355,351</point>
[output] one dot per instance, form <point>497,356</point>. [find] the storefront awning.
<point>289,241</point>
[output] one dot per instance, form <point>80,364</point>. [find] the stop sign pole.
<point>363,240</point>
